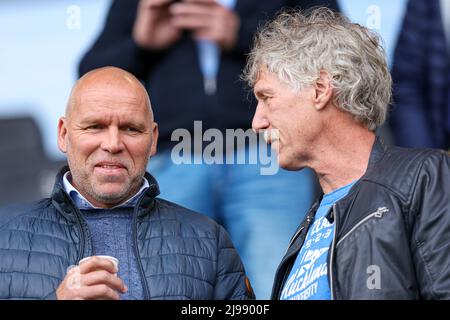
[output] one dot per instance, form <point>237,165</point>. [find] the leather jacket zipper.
<point>306,224</point>
<point>377,214</point>
<point>295,237</point>
<point>333,245</point>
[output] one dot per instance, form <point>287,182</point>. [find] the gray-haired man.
<point>382,228</point>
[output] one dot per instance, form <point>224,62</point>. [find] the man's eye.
<point>93,127</point>
<point>131,129</point>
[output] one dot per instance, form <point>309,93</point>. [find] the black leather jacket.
<point>392,231</point>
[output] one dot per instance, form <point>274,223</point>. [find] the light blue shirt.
<point>308,279</point>
<point>209,58</point>
<point>83,204</point>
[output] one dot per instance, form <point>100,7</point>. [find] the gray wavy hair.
<point>297,46</point>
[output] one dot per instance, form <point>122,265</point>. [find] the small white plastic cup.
<point>115,261</point>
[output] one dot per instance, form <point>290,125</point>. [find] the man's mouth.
<point>110,165</point>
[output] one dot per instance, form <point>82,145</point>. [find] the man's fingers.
<point>103,277</point>
<point>191,22</point>
<point>96,263</point>
<point>100,284</point>
<point>100,292</point>
<point>180,9</point>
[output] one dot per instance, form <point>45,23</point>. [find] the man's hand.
<point>93,279</point>
<point>208,20</point>
<point>153,29</point>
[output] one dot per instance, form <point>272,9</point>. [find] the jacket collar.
<point>82,203</point>
<point>378,151</point>
<point>61,200</point>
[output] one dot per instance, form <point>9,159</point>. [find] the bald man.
<point>103,234</point>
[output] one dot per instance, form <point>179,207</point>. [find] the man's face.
<point>291,113</point>
<point>108,136</point>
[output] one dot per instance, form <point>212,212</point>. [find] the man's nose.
<point>112,141</point>
<point>260,121</point>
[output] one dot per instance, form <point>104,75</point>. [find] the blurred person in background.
<point>190,54</point>
<point>421,73</point>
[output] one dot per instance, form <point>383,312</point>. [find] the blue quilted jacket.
<point>180,254</point>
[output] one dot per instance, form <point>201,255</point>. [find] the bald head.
<point>109,78</point>
<point>109,135</point>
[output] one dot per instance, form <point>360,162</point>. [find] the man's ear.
<point>323,90</point>
<point>155,134</point>
<point>62,134</point>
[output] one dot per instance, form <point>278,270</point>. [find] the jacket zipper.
<point>136,251</point>
<point>294,238</point>
<point>80,226</point>
<point>308,220</point>
<point>377,214</point>
<point>333,244</point>
<point>83,234</point>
